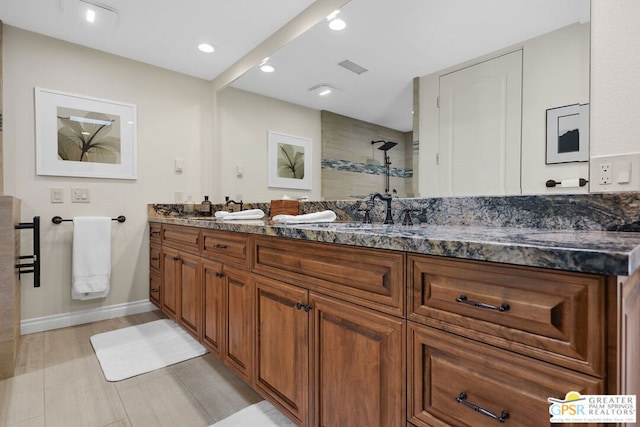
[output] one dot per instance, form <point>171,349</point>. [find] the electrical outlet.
<point>605,174</point>
<point>619,172</point>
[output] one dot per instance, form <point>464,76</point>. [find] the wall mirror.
<point>372,65</point>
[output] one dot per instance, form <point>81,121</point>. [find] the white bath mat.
<point>261,414</point>
<point>135,350</point>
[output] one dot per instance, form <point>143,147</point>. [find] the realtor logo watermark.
<point>576,408</point>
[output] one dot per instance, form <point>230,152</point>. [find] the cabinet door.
<point>189,289</point>
<point>358,365</point>
<point>154,288</point>
<point>282,346</point>
<point>170,262</point>
<point>238,321</point>
<point>213,325</point>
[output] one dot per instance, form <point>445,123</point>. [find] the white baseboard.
<point>56,321</point>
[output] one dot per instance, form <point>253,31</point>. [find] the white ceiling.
<point>164,33</point>
<point>395,40</point>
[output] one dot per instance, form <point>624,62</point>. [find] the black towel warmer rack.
<point>31,267</point>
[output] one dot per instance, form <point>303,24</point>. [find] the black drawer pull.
<point>462,398</point>
<point>218,274</point>
<point>155,291</point>
<point>176,258</point>
<point>463,299</point>
<point>221,246</point>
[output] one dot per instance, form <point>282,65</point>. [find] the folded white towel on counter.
<point>248,214</point>
<point>322,216</point>
<point>91,258</point>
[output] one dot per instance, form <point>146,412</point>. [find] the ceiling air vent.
<point>352,66</point>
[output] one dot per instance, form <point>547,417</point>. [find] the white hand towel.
<point>248,214</point>
<point>91,263</point>
<point>322,216</point>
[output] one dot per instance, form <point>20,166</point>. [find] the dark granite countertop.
<point>589,251</point>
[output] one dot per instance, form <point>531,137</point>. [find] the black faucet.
<point>387,198</point>
<point>227,202</point>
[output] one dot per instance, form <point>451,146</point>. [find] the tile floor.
<point>58,382</point>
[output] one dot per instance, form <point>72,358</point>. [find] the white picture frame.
<point>568,134</point>
<point>289,161</point>
<point>81,136</point>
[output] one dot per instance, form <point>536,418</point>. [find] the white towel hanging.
<point>91,260</point>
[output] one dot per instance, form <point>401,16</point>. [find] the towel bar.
<point>58,219</point>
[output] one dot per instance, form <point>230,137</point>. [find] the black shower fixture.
<point>386,145</point>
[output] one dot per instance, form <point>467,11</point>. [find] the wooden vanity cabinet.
<point>501,338</point>
<point>155,282</point>
<point>228,300</point>
<point>323,331</point>
<point>319,356</point>
<point>282,346</point>
<point>170,261</point>
<point>155,276</point>
<point>213,328</point>
<point>181,284</point>
<point>357,365</point>
<point>549,315</point>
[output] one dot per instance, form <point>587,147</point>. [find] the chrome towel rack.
<point>58,219</point>
<point>31,267</point>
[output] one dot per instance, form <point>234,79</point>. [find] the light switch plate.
<point>80,195</point>
<point>56,195</point>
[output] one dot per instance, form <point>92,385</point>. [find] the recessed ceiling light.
<point>99,15</point>
<point>206,48</point>
<point>266,68</point>
<point>337,25</point>
<point>91,15</point>
<point>322,89</point>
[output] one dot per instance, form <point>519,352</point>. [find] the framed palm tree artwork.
<point>80,136</point>
<point>289,160</point>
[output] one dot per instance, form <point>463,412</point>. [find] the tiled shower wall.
<point>352,166</point>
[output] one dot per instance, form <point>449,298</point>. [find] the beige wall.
<point>174,116</point>
<point>615,86</point>
<point>245,119</point>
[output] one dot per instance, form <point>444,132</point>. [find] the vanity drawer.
<point>372,278</point>
<point>446,370</point>
<point>226,247</point>
<point>155,229</point>
<point>181,237</point>
<point>550,315</point>
<point>154,257</point>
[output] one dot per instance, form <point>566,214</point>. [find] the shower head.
<point>386,145</point>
